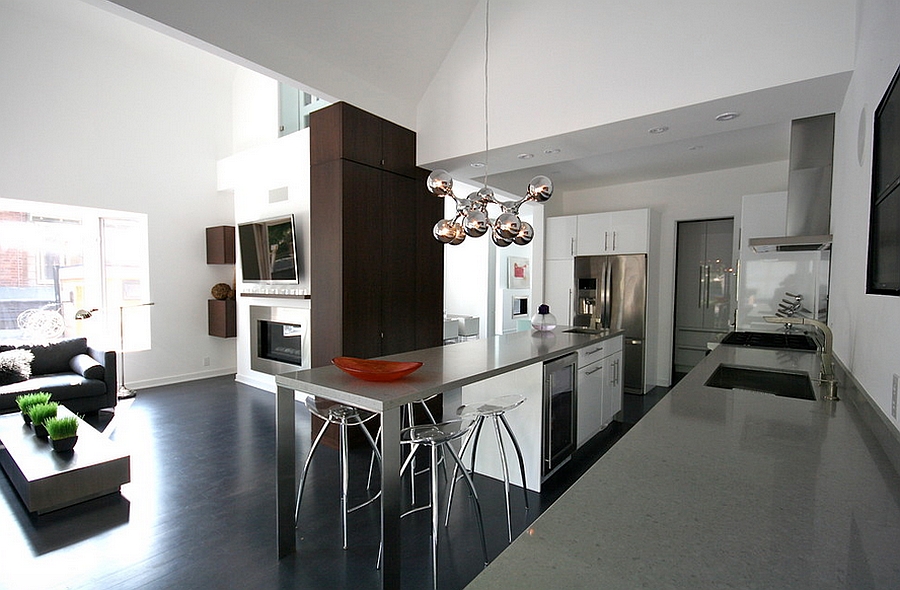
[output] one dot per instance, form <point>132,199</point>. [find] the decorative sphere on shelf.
<point>222,291</point>
<point>543,320</point>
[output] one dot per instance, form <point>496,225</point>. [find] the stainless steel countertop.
<point>445,368</point>
<point>721,488</point>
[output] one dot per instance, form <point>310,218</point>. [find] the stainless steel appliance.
<point>560,415</point>
<point>612,294</point>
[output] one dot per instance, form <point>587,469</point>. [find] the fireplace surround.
<point>279,339</point>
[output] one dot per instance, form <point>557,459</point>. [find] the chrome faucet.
<point>827,375</point>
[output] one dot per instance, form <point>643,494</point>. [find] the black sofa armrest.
<point>107,358</point>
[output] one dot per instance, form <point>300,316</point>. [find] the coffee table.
<point>47,480</point>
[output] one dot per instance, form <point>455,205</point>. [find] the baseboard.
<point>172,379</point>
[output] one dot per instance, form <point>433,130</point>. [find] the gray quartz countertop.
<point>444,368</point>
<point>718,488</point>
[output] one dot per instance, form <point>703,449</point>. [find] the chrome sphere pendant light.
<point>472,217</point>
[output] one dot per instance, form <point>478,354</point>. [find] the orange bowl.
<point>374,370</point>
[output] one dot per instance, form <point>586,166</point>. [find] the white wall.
<point>249,175</point>
<point>866,327</point>
<point>681,198</point>
<point>561,66</point>
<point>100,112</point>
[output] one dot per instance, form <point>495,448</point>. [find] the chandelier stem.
<point>487,30</point>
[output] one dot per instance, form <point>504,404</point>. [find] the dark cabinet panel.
<point>362,261</point>
<point>344,131</point>
<point>376,272</point>
<point>398,228</point>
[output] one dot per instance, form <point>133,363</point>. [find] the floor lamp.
<point>124,392</point>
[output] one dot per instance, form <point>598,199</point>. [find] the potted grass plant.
<point>63,432</point>
<point>39,413</point>
<point>27,400</point>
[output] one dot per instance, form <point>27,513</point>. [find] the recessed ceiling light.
<point>658,130</point>
<point>551,151</point>
<point>477,164</point>
<point>525,156</point>
<point>729,116</point>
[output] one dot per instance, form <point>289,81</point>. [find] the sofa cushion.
<point>55,357</point>
<point>15,366</point>
<point>87,366</point>
<point>62,386</point>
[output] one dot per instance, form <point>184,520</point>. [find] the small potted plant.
<point>63,432</point>
<point>27,400</point>
<point>39,413</point>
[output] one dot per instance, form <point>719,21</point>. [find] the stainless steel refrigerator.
<point>612,294</point>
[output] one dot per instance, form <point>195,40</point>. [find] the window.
<point>56,260</point>
<point>294,107</point>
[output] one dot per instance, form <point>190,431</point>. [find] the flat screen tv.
<point>269,251</point>
<point>883,276</point>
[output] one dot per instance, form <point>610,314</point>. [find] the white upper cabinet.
<point>617,232</point>
<point>560,237</point>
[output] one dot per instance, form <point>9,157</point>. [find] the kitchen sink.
<point>781,383</point>
<point>794,341</point>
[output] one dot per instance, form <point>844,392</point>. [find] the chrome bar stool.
<point>344,417</point>
<point>437,437</point>
<point>495,409</point>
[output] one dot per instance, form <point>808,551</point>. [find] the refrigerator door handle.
<point>700,289</point>
<point>608,295</point>
<point>707,286</point>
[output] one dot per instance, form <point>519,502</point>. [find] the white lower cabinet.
<point>599,387</point>
<point>612,388</point>
<point>590,400</point>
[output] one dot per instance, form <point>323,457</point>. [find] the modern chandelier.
<point>472,217</point>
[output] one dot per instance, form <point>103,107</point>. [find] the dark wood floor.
<point>200,509</point>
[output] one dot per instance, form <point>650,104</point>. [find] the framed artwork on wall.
<point>519,272</point>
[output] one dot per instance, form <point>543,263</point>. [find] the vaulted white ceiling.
<point>383,54</point>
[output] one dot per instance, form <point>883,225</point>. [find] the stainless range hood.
<point>809,189</point>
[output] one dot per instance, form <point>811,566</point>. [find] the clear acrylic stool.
<point>495,409</point>
<point>437,437</point>
<point>344,417</point>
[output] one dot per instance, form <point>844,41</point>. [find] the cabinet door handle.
<point>614,241</point>
<point>572,246</point>
<point>605,241</point>
<point>595,350</point>
<point>592,371</point>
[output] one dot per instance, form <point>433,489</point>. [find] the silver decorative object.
<point>472,217</point>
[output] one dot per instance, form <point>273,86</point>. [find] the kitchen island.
<point>718,488</point>
<point>445,369</point>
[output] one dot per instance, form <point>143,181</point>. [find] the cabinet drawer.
<point>592,353</point>
<point>599,350</point>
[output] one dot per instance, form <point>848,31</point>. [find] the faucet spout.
<point>827,375</point>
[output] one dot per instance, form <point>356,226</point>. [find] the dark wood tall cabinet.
<point>376,272</point>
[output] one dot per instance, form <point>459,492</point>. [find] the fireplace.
<point>279,339</point>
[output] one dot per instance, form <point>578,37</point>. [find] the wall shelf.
<point>222,317</point>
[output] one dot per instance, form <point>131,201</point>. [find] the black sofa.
<point>77,376</point>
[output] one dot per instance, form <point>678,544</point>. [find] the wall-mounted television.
<point>883,276</point>
<point>269,251</point>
